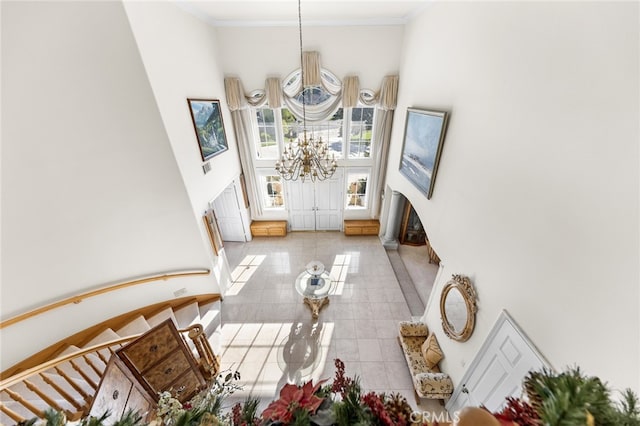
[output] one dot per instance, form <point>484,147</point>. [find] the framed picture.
<point>423,137</point>
<point>211,224</point>
<point>207,122</point>
<point>245,196</point>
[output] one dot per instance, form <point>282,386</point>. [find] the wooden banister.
<point>102,290</point>
<point>10,381</point>
<point>208,362</point>
<point>70,399</point>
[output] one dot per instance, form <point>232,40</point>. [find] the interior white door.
<point>227,209</point>
<point>499,368</point>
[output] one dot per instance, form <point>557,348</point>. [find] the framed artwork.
<point>245,196</point>
<point>211,224</point>
<point>423,137</point>
<point>207,122</point>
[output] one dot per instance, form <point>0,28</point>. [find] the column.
<point>390,237</point>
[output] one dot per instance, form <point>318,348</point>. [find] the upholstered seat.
<point>428,382</point>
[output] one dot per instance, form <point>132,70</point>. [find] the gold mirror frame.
<point>463,285</point>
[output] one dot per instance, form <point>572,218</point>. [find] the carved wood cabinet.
<point>120,391</point>
<point>157,361</point>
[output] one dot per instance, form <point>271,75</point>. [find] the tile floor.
<point>269,336</point>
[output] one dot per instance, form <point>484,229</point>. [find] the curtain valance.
<point>278,93</point>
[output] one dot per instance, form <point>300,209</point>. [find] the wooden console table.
<point>269,228</point>
<point>362,227</point>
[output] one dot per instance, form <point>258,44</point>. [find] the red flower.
<point>341,383</point>
<point>373,401</point>
<point>293,397</point>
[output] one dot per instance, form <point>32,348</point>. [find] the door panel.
<point>228,215</point>
<point>329,203</point>
<point>498,369</point>
<point>316,206</point>
<point>301,202</point>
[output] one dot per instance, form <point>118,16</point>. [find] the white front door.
<point>316,206</point>
<point>329,203</point>
<point>227,210</point>
<point>498,369</point>
<point>302,212</point>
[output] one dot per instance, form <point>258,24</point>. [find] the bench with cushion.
<point>422,352</point>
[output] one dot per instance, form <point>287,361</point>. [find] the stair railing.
<point>209,365</point>
<point>209,362</point>
<point>102,290</point>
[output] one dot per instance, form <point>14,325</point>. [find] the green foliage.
<point>55,418</point>
<point>130,418</point>
<point>250,409</point>
<point>287,116</point>
<point>301,417</point>
<point>628,411</point>
<point>350,411</point>
<point>95,421</point>
<point>571,398</point>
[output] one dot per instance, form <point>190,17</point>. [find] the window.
<point>357,189</point>
<point>272,191</point>
<point>267,143</point>
<point>360,132</point>
<point>331,133</point>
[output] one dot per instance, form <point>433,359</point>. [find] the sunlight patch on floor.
<point>339,271</point>
<point>243,272</point>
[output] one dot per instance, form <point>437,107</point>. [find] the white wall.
<point>91,192</point>
<point>537,194</point>
<point>253,54</point>
<point>181,56</point>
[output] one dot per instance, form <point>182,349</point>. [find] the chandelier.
<point>305,157</point>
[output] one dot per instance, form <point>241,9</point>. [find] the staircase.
<point>70,375</point>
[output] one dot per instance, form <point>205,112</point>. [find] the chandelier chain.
<point>306,158</point>
<point>304,112</point>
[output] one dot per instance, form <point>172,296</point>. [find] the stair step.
<point>188,315</point>
<point>106,335</point>
<point>33,398</point>
<point>162,316</point>
<point>83,365</point>
<point>136,326</point>
<point>62,383</point>
<point>20,409</point>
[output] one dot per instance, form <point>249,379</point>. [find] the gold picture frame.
<point>211,224</point>
<point>458,308</point>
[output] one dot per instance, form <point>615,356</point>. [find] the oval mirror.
<point>458,308</point>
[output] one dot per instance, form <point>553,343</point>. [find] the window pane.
<point>360,135</point>
<point>272,195</point>
<point>289,125</point>
<point>357,190</point>
<point>267,145</point>
<point>330,131</point>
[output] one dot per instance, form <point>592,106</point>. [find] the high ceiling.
<point>314,12</point>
